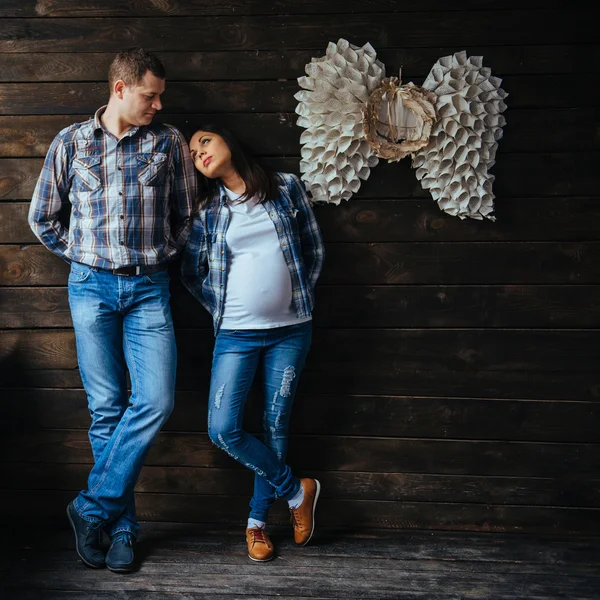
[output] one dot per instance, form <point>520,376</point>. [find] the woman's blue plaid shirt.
<point>204,260</point>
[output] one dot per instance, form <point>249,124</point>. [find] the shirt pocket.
<point>288,212</point>
<point>88,172</point>
<point>152,168</point>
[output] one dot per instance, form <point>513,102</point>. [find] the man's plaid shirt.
<point>204,261</point>
<point>131,199</point>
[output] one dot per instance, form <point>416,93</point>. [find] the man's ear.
<point>118,88</point>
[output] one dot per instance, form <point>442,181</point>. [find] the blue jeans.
<point>121,323</point>
<point>238,354</point>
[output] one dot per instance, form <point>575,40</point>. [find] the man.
<point>131,185</point>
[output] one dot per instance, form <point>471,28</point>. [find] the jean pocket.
<point>79,273</point>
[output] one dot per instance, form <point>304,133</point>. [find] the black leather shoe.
<point>119,557</point>
<point>87,539</point>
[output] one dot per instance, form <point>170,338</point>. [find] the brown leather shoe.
<point>303,517</point>
<point>260,548</point>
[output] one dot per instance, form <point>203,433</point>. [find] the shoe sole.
<point>120,570</point>
<point>85,562</point>
<point>261,560</point>
<point>314,512</point>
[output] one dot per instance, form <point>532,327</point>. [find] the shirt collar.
<point>223,197</point>
<point>98,125</point>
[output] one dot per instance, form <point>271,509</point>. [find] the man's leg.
<point>98,327</point>
<point>150,352</point>
<point>99,334</point>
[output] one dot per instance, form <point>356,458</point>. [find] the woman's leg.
<point>235,360</point>
<point>283,360</point>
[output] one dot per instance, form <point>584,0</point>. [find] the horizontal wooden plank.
<point>314,413</point>
<point>188,555</point>
<point>435,263</point>
<point>84,98</point>
<point>419,29</point>
<point>336,453</point>
<point>345,514</point>
<point>18,177</point>
<point>400,487</point>
<point>518,219</point>
<point>336,352</point>
<point>421,547</point>
<point>361,220</point>
<point>289,64</point>
<point>191,8</point>
<point>445,306</point>
<point>517,176</point>
<point>526,131</point>
<point>462,263</point>
<point>203,558</point>
<point>199,574</point>
<point>537,306</point>
<point>227,550</point>
<point>378,379</point>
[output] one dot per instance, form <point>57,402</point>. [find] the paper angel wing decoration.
<point>455,166</point>
<point>450,127</point>
<point>335,153</point>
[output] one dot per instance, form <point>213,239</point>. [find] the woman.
<point>252,260</point>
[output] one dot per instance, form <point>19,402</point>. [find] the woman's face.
<point>211,154</point>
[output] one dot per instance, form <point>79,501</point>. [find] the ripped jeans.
<point>280,354</point>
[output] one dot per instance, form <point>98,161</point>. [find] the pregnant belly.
<point>259,287</point>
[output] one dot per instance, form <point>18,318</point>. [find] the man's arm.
<point>50,195</point>
<point>183,190</point>
<point>194,262</point>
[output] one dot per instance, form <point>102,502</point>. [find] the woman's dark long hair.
<point>260,181</point>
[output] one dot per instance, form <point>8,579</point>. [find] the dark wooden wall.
<point>453,381</point>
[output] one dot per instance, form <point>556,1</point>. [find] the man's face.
<point>139,103</point>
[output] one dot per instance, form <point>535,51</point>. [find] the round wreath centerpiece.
<point>398,119</point>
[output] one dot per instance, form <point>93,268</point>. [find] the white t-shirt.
<point>259,286</point>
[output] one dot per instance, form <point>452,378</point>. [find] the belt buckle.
<point>137,269</point>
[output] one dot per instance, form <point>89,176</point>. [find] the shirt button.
<point>278,229</point>
<point>122,243</point>
<point>222,251</point>
<point>121,217</point>
<point>120,193</point>
<point>222,269</point>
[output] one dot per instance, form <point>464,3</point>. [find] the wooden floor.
<point>183,562</point>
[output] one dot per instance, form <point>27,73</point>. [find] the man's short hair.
<point>130,66</point>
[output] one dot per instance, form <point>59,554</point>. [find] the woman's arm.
<point>311,240</point>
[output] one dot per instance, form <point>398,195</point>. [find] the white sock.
<point>297,500</point>
<point>254,523</point>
